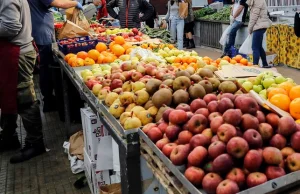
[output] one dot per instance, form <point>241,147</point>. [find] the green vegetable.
<point>203,12</point>
<point>162,34</point>
<point>222,15</point>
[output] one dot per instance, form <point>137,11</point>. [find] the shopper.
<point>16,85</point>
<point>258,24</point>
<point>189,27</point>
<point>129,11</point>
<point>176,23</point>
<point>237,18</point>
<point>152,20</point>
<point>43,34</point>
<point>101,8</point>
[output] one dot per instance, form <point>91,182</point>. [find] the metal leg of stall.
<point>66,103</point>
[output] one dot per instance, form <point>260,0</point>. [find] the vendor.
<point>17,94</point>
<point>129,12</point>
<point>43,34</point>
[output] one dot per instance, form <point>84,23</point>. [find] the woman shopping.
<point>176,22</point>
<point>189,27</point>
<point>258,24</point>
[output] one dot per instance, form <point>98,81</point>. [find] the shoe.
<point>191,44</point>
<point>185,43</point>
<point>8,144</point>
<point>265,66</point>
<point>28,152</point>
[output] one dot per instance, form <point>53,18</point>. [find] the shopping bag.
<point>183,10</point>
<point>76,145</point>
<point>71,30</point>
<point>224,36</point>
<point>246,47</point>
<point>111,189</point>
<point>69,13</point>
<point>79,19</point>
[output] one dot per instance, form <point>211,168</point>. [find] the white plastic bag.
<point>224,36</point>
<point>246,47</point>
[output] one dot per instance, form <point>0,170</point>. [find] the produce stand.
<point>129,147</point>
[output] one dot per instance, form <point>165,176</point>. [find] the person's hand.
<point>79,6</point>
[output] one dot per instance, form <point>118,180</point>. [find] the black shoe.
<point>28,152</point>
<point>191,44</point>
<point>7,144</point>
<point>185,43</point>
<point>266,66</point>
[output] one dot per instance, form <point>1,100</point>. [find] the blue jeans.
<point>235,26</point>
<point>177,28</point>
<point>258,50</point>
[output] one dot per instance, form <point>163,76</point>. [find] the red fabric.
<point>9,55</point>
<point>102,12</point>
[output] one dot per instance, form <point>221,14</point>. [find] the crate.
<point>78,44</point>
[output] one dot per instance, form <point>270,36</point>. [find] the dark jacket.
<point>129,12</point>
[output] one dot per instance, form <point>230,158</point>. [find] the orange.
<point>192,60</point>
<point>119,40</point>
<point>111,45</point>
<point>101,47</point>
<point>286,85</point>
<point>176,64</point>
<point>206,58</point>
<point>100,59</point>
<point>108,59</point>
<point>77,62</point>
<point>144,46</point>
<point>207,62</point>
<point>154,46</point>
<point>244,62</point>
<point>88,61</point>
<point>250,64</point>
<point>226,58</point>
<point>126,46</point>
<point>71,59</point>
<point>118,50</point>
<point>214,64</point>
<point>282,101</point>
<point>295,108</point>
<point>218,60</point>
<point>185,64</point>
<point>238,58</point>
<point>171,46</point>
<point>128,51</point>
<point>177,60</point>
<point>93,54</point>
<point>82,55</point>
<point>295,92</point>
<point>274,91</point>
<point>68,56</point>
<point>233,61</point>
<point>184,59</point>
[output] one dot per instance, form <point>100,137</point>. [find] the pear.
<point>204,72</point>
<point>96,89</point>
<point>148,104</point>
<point>162,97</point>
<point>152,85</point>
<point>160,113</point>
<point>191,70</point>
<point>181,82</point>
<point>103,93</point>
<point>182,73</point>
<point>136,86</point>
<point>126,98</point>
<point>127,86</point>
<point>228,87</point>
<point>116,110</point>
<point>168,82</point>
<point>196,78</point>
<point>197,91</point>
<point>124,116</point>
<point>215,82</point>
<point>153,110</point>
<point>132,123</point>
<point>207,86</point>
<point>130,107</point>
<point>110,98</point>
<point>141,97</point>
<point>180,96</point>
<point>137,109</point>
<point>145,117</point>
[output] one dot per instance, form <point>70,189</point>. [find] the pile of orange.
<point>185,62</point>
<point>287,97</point>
<point>237,60</point>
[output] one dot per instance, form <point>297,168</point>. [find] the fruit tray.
<point>75,45</point>
<point>273,186</point>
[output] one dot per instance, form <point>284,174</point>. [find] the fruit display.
<point>226,142</point>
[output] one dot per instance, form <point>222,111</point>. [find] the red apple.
<point>116,83</point>
<point>179,154</point>
<point>237,147</point>
<point>163,126</point>
<point>118,76</point>
<point>253,160</point>
<point>216,123</point>
<point>210,182</point>
<point>196,104</point>
<point>260,116</point>
<point>209,98</point>
<point>237,175</point>
<point>246,104</point>
<point>208,133</point>
<point>273,120</point>
<point>197,156</point>
<point>286,152</point>
<point>213,115</point>
<point>232,116</point>
<point>203,111</point>
<point>293,162</point>
<point>155,134</point>
<point>136,76</point>
<point>295,141</point>
<point>184,137</point>
<point>194,175</point>
<point>272,156</point>
<point>225,104</point>
<point>197,123</point>
<point>286,126</point>
<point>214,138</point>
<point>166,114</point>
<point>278,141</point>
<point>226,132</point>
<point>228,95</point>
<point>148,126</point>
<point>183,107</point>
<point>190,115</point>
<point>253,138</point>
<point>162,142</point>
<point>172,132</point>
<point>168,148</point>
<point>266,131</point>
<point>199,140</point>
<point>213,106</point>
<point>223,163</point>
<point>249,122</point>
<point>256,178</point>
<point>227,187</point>
<point>216,148</point>
<point>178,117</point>
<point>273,172</point>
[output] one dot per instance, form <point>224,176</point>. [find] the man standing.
<point>237,18</point>
<point>43,34</point>
<point>129,12</point>
<point>17,94</point>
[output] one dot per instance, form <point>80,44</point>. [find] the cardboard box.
<point>270,58</point>
<point>93,131</point>
<point>89,165</point>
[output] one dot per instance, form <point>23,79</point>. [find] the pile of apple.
<point>226,143</point>
<point>130,35</point>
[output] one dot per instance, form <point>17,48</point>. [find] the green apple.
<point>290,80</point>
<point>268,82</point>
<point>268,73</point>
<point>257,88</point>
<point>263,93</point>
<point>241,81</point>
<point>96,70</point>
<point>194,53</point>
<point>105,67</point>
<point>257,81</point>
<point>247,85</point>
<point>280,79</point>
<point>95,66</point>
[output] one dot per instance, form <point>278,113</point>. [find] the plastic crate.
<point>79,44</point>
